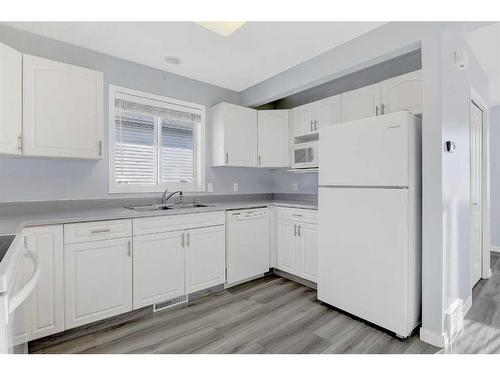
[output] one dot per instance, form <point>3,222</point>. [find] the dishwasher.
<point>247,244</point>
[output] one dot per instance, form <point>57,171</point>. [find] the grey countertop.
<point>14,223</point>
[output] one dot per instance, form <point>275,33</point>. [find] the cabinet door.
<point>287,244</point>
<point>205,258</point>
<point>361,103</point>
<point>98,280</point>
<point>273,143</point>
<point>62,110</point>
<point>303,120</point>
<point>403,93</point>
<point>327,112</point>
<point>308,238</point>
<point>11,63</point>
<point>47,300</point>
<point>240,136</point>
<point>158,268</point>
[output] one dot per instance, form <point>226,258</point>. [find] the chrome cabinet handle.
<point>376,110</point>
<point>129,248</point>
<point>311,125</point>
<point>298,215</point>
<point>295,230</point>
<point>260,160</point>
<point>104,230</point>
<point>188,240</point>
<point>227,157</point>
<point>100,148</point>
<point>182,240</point>
<point>382,109</point>
<point>299,231</point>
<point>315,125</point>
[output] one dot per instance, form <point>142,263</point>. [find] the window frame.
<point>140,97</point>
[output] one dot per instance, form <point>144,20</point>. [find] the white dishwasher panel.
<point>247,244</point>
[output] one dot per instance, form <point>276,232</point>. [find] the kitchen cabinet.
<point>97,280</point>
<point>308,118</point>
<point>62,110</point>
<point>158,266</point>
<point>46,303</point>
<point>402,93</point>
<point>297,242</point>
<point>10,100</point>
<point>205,258</point>
<point>234,135</point>
<point>273,138</point>
<point>361,103</point>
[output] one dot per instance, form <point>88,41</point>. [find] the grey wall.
<point>495,175</point>
<point>50,179</point>
<point>456,95</point>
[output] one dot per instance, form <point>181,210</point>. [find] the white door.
<point>288,246</point>
<point>363,254</point>
<point>205,258</point>
<point>97,280</point>
<point>476,139</point>
<point>368,152</point>
<point>273,140</point>
<point>361,103</point>
<point>327,112</point>
<point>11,63</point>
<point>308,238</point>
<point>158,268</point>
<point>62,110</point>
<point>303,123</point>
<point>240,136</point>
<point>46,303</point>
<point>403,93</point>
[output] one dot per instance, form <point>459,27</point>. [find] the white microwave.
<point>305,155</point>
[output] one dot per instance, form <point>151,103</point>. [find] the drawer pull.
<point>298,215</point>
<point>96,231</point>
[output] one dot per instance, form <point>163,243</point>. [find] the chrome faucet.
<point>164,199</point>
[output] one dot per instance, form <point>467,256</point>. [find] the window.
<point>155,143</point>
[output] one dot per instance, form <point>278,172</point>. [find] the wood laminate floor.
<point>275,315</point>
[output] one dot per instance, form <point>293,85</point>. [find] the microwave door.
<point>301,157</point>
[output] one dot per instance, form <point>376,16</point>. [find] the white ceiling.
<point>485,44</point>
<point>255,52</point>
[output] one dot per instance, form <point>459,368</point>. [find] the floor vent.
<point>170,303</point>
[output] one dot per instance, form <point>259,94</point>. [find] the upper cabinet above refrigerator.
<point>308,118</point>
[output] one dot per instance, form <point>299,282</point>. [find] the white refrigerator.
<point>370,220</point>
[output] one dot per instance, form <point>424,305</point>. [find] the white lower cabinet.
<point>297,243</point>
<point>205,258</point>
<point>97,280</point>
<point>158,268</point>
<point>46,304</point>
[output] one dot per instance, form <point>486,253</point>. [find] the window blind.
<point>177,151</point>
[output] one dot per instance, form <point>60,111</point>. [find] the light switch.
<point>236,187</point>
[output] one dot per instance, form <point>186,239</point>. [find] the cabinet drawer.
<point>297,214</point>
<point>150,225</point>
<point>97,230</point>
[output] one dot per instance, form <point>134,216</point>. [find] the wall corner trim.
<point>467,305</point>
<point>439,340</point>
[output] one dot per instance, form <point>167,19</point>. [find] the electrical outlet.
<point>236,186</point>
<point>210,187</point>
<point>295,187</point>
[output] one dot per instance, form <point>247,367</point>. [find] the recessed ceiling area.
<point>485,44</point>
<point>253,53</point>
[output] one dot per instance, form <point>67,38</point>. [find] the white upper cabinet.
<point>234,137</point>
<point>10,100</point>
<point>361,103</point>
<point>274,139</point>
<point>62,110</point>
<point>402,93</point>
<point>308,118</point>
<point>303,123</point>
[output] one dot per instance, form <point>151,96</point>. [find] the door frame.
<point>476,99</point>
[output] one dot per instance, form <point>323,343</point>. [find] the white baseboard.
<point>436,339</point>
<point>495,249</point>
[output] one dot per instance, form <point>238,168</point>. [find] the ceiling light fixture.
<point>172,60</point>
<point>221,28</point>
